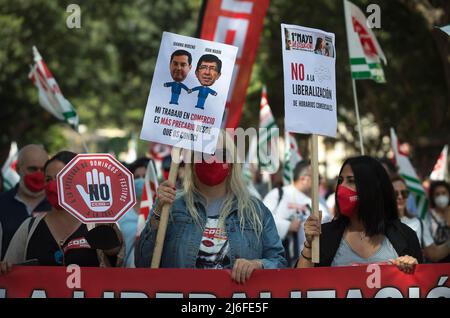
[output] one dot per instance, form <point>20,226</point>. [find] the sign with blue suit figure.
<point>188,92</point>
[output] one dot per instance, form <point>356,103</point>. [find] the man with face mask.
<point>291,206</point>
<point>28,197</point>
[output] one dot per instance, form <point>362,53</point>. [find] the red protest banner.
<point>238,23</point>
<point>373,281</point>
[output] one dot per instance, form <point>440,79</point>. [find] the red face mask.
<point>212,173</point>
<point>52,194</point>
<point>347,200</point>
<point>35,182</point>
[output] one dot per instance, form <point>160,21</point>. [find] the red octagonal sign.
<point>96,188</point>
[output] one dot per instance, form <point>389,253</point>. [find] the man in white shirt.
<point>291,206</point>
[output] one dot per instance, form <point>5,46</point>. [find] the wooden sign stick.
<point>161,235</point>
<point>315,193</point>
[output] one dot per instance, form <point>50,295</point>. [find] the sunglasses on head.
<point>403,193</point>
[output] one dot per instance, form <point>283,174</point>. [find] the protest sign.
<point>188,93</point>
<point>309,61</point>
<point>309,80</point>
<point>96,188</point>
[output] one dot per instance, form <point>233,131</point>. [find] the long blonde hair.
<point>235,188</point>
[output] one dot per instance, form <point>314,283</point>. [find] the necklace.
<point>362,235</point>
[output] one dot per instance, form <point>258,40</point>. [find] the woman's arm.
<point>305,260</point>
<point>436,252</point>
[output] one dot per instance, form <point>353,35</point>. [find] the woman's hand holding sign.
<point>99,196</point>
<point>166,194</point>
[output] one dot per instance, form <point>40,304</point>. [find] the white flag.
<point>365,52</point>
<point>440,168</point>
<point>148,195</point>
<point>50,96</point>
<point>408,173</point>
<point>9,173</point>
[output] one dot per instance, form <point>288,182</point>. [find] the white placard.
<point>188,92</point>
<point>309,59</point>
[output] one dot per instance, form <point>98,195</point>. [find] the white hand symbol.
<point>99,195</point>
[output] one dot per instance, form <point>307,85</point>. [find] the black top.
<point>402,237</point>
<point>13,213</point>
<point>75,250</point>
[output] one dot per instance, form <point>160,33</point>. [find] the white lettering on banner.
<point>238,27</point>
<point>169,295</point>
<point>198,295</point>
<point>39,293</point>
<point>385,292</point>
<point>296,294</point>
<point>414,292</point>
<point>237,6</point>
<point>133,295</point>
<point>321,294</point>
<point>441,291</point>
<point>108,294</point>
<point>78,294</point>
<point>354,293</point>
<point>389,292</point>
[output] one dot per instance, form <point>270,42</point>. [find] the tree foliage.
<point>105,67</point>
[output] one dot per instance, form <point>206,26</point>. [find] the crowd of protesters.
<point>217,222</point>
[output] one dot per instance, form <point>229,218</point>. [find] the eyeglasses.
<point>207,67</point>
<point>403,193</point>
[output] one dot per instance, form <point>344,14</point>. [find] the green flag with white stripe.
<point>268,138</point>
<point>291,157</point>
<point>408,173</point>
<point>365,52</point>
<point>50,95</point>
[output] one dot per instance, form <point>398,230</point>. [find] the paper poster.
<point>309,60</point>
<point>188,92</point>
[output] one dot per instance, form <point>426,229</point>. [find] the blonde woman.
<point>214,223</point>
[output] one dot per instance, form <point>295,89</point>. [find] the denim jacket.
<point>183,238</point>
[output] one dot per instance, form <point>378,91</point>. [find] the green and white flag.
<point>408,173</point>
<point>365,52</point>
<point>268,138</point>
<point>50,96</point>
<point>291,157</point>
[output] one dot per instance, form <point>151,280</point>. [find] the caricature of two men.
<point>208,71</point>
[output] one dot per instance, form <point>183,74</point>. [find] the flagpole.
<point>361,144</point>
<point>83,142</point>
